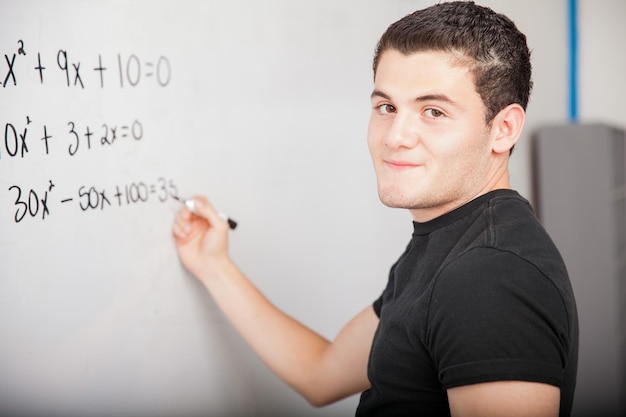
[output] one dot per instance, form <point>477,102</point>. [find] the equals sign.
<point>124,130</point>
<point>152,189</point>
<point>149,74</point>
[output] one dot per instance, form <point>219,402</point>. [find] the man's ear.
<point>506,127</point>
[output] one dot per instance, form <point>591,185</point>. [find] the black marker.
<point>189,203</point>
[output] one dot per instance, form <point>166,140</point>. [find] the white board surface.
<point>108,110</point>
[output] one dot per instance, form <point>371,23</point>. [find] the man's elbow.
<point>320,400</point>
<point>321,397</point>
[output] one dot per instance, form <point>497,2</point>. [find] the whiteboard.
<point>109,110</point>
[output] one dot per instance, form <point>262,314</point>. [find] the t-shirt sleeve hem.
<point>500,370</point>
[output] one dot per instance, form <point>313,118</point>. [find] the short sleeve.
<point>494,316</point>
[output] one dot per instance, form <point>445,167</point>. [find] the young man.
<point>478,316</point>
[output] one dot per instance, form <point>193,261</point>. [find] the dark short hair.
<point>488,43</point>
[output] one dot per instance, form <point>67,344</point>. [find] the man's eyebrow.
<point>436,97</point>
<point>426,97</point>
<point>378,93</point>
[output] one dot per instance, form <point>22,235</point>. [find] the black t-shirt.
<point>481,294</point>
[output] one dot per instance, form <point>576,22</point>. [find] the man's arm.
<point>320,370</point>
<point>505,398</point>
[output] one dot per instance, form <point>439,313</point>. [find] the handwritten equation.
<point>20,140</point>
<point>36,204</point>
<point>123,70</point>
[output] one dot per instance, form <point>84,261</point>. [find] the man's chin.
<point>390,198</point>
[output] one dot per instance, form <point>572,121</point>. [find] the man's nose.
<point>403,132</point>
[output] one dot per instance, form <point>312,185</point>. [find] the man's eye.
<point>434,113</point>
<point>386,109</point>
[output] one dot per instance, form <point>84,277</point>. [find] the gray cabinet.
<point>580,197</point>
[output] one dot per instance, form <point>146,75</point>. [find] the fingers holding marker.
<point>202,207</point>
<point>182,224</point>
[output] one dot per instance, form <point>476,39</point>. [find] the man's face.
<point>427,134</point>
